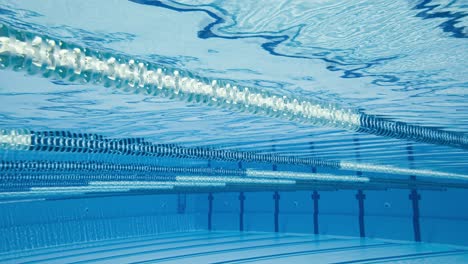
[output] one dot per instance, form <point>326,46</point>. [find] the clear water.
<point>404,61</point>
<point>392,59</point>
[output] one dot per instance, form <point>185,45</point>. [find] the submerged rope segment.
<point>23,51</point>
<point>305,176</point>
<point>80,190</point>
<point>66,170</point>
<point>64,141</point>
<point>234,180</point>
<point>115,168</point>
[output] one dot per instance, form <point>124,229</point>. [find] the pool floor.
<point>242,247</point>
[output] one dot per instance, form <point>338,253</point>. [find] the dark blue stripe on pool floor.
<point>401,257</point>
<point>418,258</point>
<point>181,239</point>
<point>185,247</point>
<point>304,252</point>
<point>97,244</point>
<point>233,250</point>
<point>237,247</point>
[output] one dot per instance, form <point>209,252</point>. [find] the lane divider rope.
<point>51,58</point>
<point>64,141</point>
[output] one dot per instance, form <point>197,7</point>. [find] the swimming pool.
<point>232,132</point>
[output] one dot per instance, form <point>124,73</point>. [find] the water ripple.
<point>402,60</point>
<point>455,18</point>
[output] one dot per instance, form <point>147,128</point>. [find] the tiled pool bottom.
<point>242,247</point>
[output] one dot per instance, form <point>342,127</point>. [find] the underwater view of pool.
<point>213,131</point>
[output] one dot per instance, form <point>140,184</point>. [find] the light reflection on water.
<point>387,59</point>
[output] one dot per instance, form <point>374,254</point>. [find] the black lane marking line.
<point>241,211</point>
<point>360,196</point>
<point>241,203</point>
<point>414,196</point>
<point>276,197</point>
<point>316,198</point>
<point>210,210</point>
<point>315,195</point>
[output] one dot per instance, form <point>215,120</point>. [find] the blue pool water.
<point>151,131</point>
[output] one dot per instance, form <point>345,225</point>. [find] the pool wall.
<point>387,214</point>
